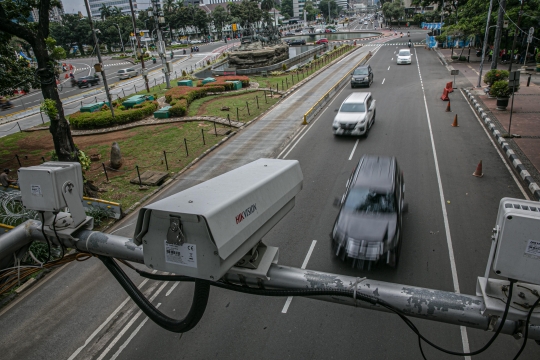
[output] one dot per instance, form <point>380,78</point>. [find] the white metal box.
<point>517,255</point>
<point>221,220</point>
<point>41,185</point>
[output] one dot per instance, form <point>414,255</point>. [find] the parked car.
<point>297,42</point>
<point>356,115</point>
<point>289,34</point>
<point>87,81</point>
<point>404,56</point>
<point>370,219</point>
<point>322,41</point>
<point>127,73</point>
<point>195,42</point>
<point>362,76</point>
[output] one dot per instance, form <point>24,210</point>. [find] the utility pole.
<point>144,73</point>
<point>515,37</point>
<point>159,19</point>
<point>498,34</point>
<point>486,36</point>
<point>99,57</point>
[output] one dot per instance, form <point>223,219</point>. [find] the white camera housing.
<point>517,240</point>
<point>205,230</point>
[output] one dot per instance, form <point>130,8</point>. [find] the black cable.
<point>56,234</point>
<point>200,299</point>
<point>527,328</point>
<point>45,236</point>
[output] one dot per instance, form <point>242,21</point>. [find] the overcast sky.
<point>73,6</point>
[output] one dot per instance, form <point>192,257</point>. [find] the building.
<point>298,7</point>
<point>95,5</point>
<point>55,14</point>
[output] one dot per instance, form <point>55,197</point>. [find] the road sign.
<point>514,75</point>
<point>505,24</point>
<point>531,33</point>
<point>234,28</point>
<point>141,33</point>
<point>454,72</point>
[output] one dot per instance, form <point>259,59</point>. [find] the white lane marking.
<point>464,337</point>
<point>389,68</point>
<point>123,227</point>
<point>498,149</point>
<point>383,81</point>
<point>291,142</point>
<point>172,288</point>
<point>354,148</point>
<point>128,340</point>
<point>304,264</point>
<point>128,325</point>
<point>100,327</point>
<point>392,59</point>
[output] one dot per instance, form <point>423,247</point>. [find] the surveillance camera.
<point>205,230</point>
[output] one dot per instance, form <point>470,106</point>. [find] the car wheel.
<point>394,254</point>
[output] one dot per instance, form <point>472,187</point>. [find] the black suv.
<point>362,75</point>
<point>368,226</point>
<point>297,42</point>
<point>87,81</point>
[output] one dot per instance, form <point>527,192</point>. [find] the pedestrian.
<point>490,55</point>
<point>5,181</point>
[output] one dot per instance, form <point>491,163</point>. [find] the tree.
<point>267,5</point>
<point>311,11</point>
<point>323,7</point>
<point>105,11</point>
<point>201,21</point>
<point>287,8</point>
<point>14,17</point>
<point>116,11</point>
<point>72,30</point>
<point>220,18</point>
<point>15,71</point>
<point>246,13</point>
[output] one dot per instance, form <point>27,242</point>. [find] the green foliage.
<point>98,213</point>
<point>220,18</point>
<point>495,75</point>
<point>500,89</point>
<point>287,8</point>
<point>179,108</point>
<point>48,106</point>
<point>184,73</point>
<point>15,72</point>
<point>538,58</point>
<point>52,155</point>
<point>40,250</point>
<point>284,67</point>
<point>101,119</point>
<point>84,160</point>
<point>418,19</point>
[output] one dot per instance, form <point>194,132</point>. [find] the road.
<point>82,313</point>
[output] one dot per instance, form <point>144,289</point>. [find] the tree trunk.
<point>498,34</point>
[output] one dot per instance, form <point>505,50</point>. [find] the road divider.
<point>308,116</point>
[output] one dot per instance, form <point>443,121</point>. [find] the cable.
<point>45,236</point>
<point>198,306</point>
<point>56,234</point>
<point>527,328</point>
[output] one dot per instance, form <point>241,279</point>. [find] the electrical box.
<point>205,230</point>
<point>41,185</point>
<point>517,253</point>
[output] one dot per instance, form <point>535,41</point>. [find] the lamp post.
<point>121,41</point>
<point>138,40</point>
<point>159,19</point>
<point>486,36</point>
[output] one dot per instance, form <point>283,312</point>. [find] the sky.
<point>73,6</point>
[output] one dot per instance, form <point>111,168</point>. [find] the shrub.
<point>284,67</point>
<point>184,73</point>
<point>217,88</point>
<point>179,108</point>
<point>222,79</point>
<point>500,89</point>
<point>185,92</point>
<point>100,119</point>
<point>495,75</point>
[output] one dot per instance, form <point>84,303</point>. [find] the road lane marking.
<point>304,264</point>
<point>389,68</point>
<point>383,81</point>
<point>392,59</point>
<point>464,337</point>
<point>498,149</point>
<point>353,149</point>
<point>172,288</point>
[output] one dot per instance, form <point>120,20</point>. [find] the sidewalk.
<point>524,149</point>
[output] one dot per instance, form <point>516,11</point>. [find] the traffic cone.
<point>67,76</point>
<point>444,96</point>
<point>478,172</point>
<point>449,87</point>
<point>448,107</point>
<point>455,124</point>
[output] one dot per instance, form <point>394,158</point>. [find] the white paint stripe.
<point>390,60</point>
<point>464,337</point>
<point>128,340</point>
<point>292,141</point>
<point>123,227</point>
<point>113,314</point>
<point>383,81</point>
<point>525,195</point>
<point>389,68</point>
<point>128,325</point>
<point>172,288</point>
<point>353,149</point>
<point>304,264</point>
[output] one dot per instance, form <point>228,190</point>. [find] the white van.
<point>127,73</point>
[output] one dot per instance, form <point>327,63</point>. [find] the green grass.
<point>211,105</point>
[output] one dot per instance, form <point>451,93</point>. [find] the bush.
<point>101,119</point>
<point>222,79</point>
<point>284,67</point>
<point>185,92</point>
<point>179,108</point>
<point>184,73</point>
<point>215,88</point>
<point>495,75</point>
<point>500,89</point>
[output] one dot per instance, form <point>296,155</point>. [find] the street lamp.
<point>121,41</point>
<point>484,55</point>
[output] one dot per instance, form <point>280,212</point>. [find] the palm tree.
<point>267,5</point>
<point>105,11</point>
<point>169,5</point>
<point>116,11</point>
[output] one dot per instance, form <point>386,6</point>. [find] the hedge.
<point>185,92</point>
<point>222,79</point>
<point>178,108</point>
<point>103,118</point>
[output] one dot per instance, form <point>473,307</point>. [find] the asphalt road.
<point>448,226</point>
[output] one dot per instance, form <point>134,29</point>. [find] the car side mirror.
<point>336,202</point>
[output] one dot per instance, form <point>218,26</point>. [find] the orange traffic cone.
<point>449,87</point>
<point>67,76</point>
<point>455,124</point>
<point>478,172</point>
<point>448,107</point>
<point>444,96</point>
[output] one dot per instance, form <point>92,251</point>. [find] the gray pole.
<point>161,47</point>
<point>138,43</point>
<point>515,37</point>
<point>99,57</point>
<point>498,34</point>
<point>121,41</point>
<point>485,44</point>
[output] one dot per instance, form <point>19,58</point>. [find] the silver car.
<point>127,73</point>
<point>356,115</point>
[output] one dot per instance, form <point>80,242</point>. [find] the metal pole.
<point>498,34</point>
<point>511,107</point>
<point>98,53</point>
<point>515,39</point>
<point>121,41</point>
<point>139,175</point>
<point>165,156</point>
<point>486,35</point>
<point>202,133</point>
<point>185,143</point>
<point>105,170</point>
<point>137,37</point>
<point>161,46</point>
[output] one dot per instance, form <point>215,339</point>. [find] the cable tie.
<point>355,289</point>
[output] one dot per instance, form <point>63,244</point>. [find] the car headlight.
<point>366,78</point>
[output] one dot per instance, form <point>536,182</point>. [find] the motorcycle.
<point>73,82</point>
<point>5,106</point>
<point>409,44</point>
<point>408,35</point>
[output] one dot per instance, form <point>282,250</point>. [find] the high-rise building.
<point>95,5</point>
<point>55,14</point>
<point>298,7</point>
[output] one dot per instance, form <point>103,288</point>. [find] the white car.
<point>404,56</point>
<point>127,73</point>
<point>365,22</point>
<point>195,42</point>
<point>356,115</point>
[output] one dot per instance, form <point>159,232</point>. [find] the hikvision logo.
<point>244,214</point>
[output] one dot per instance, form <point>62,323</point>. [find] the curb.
<point>505,146</point>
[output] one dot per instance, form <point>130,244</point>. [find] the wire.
<point>58,237</point>
<point>527,328</point>
<point>45,236</point>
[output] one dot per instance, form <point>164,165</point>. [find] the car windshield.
<point>358,107</point>
<point>121,71</point>
<point>362,199</point>
<point>404,53</point>
<point>362,71</point>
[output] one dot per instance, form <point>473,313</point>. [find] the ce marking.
<point>190,247</point>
